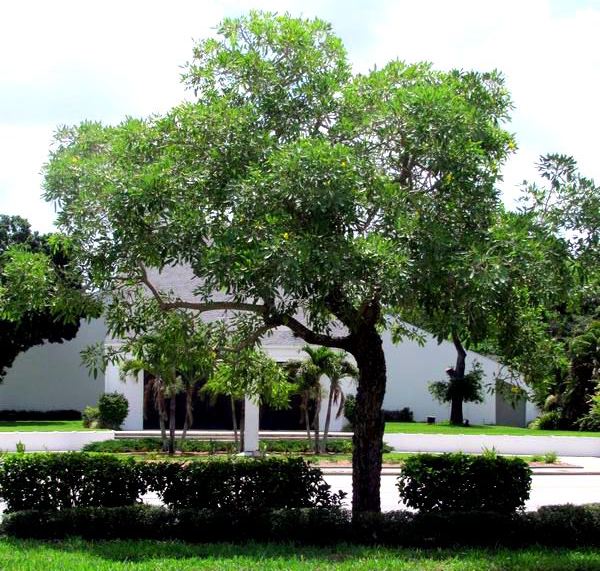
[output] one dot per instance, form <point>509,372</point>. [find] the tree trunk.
<point>188,412</point>
<point>242,425</point>
<point>234,422</point>
<point>328,417</point>
<point>367,349</point>
<point>456,407</point>
<point>307,422</point>
<point>161,420</point>
<point>316,423</point>
<point>172,407</point>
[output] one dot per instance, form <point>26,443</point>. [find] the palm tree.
<point>338,370</point>
<point>307,376</point>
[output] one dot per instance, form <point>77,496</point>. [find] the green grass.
<point>41,426</point>
<point>445,428</point>
<point>77,555</point>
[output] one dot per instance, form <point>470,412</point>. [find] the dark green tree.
<point>20,246</point>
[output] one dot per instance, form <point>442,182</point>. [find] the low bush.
<point>241,485</point>
<point>47,482</point>
<point>27,415</point>
<point>90,417</point>
<point>403,415</point>
<point>350,409</point>
<point>59,481</point>
<point>112,410</point>
<point>547,421</point>
<point>459,482</point>
<point>125,445</point>
<point>552,526</point>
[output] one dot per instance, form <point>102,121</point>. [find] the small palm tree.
<point>307,374</point>
<point>339,369</point>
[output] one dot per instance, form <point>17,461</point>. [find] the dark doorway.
<point>288,419</point>
<point>209,413</point>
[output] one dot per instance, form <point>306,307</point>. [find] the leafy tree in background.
<point>303,194</point>
<point>24,254</point>
<point>249,372</point>
<point>566,206</point>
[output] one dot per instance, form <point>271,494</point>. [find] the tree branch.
<point>272,318</point>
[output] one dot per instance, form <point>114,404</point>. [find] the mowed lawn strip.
<point>42,426</point>
<point>77,555</point>
<point>444,428</point>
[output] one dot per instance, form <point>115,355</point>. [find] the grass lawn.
<point>41,425</point>
<point>445,428</point>
<point>77,555</point>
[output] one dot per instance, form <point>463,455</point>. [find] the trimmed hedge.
<point>125,445</point>
<point>59,481</point>
<point>552,526</point>
<point>255,485</point>
<point>47,482</point>
<point>17,415</point>
<point>458,482</point>
<point>402,415</point>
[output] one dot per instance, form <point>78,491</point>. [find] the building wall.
<point>50,376</point>
<point>410,367</point>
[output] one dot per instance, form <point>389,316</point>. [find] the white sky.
<point>65,61</point>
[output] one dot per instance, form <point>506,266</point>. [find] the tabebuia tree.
<point>294,189</point>
<point>32,266</point>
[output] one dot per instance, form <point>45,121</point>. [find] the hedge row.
<point>553,526</point>
<point>59,481</point>
<point>460,482</point>
<point>125,445</point>
<point>14,415</point>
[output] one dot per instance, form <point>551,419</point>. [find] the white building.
<point>51,376</point>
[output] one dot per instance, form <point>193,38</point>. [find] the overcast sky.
<point>63,62</point>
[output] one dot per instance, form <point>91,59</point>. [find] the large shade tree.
<point>300,192</point>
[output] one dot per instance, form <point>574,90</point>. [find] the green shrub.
<point>403,415</point>
<point>458,482</point>
<point>566,525</point>
<point>552,526</point>
<point>130,522</point>
<point>112,410</point>
<point>550,420</point>
<point>59,481</point>
<point>90,417</point>
<point>241,485</point>
<point>29,415</point>
<point>125,445</point>
<point>350,409</point>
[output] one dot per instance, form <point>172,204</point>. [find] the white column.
<point>250,427</point>
<point>133,390</point>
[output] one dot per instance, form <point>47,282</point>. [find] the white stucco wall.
<point>52,441</point>
<point>411,367</point>
<point>132,388</point>
<point>50,376</point>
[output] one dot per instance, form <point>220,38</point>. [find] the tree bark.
<point>188,412</point>
<point>234,422</point>
<point>456,407</point>
<point>307,421</point>
<point>172,408</point>
<point>161,419</point>
<point>242,425</point>
<point>367,349</point>
<point>328,416</point>
<point>316,423</point>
